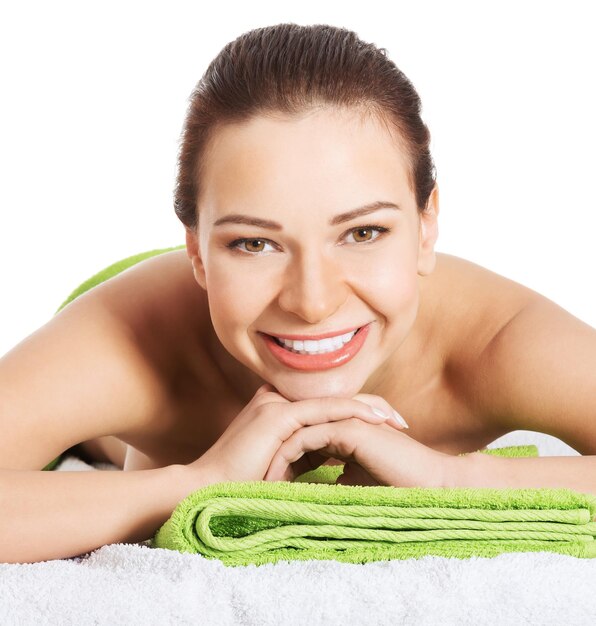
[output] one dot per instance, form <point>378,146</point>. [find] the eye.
<point>253,246</point>
<point>362,233</point>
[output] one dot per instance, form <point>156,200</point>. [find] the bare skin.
<point>458,300</point>
<point>161,368</point>
<point>150,368</point>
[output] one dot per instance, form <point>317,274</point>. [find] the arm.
<point>89,372</point>
<point>537,374</point>
<point>556,472</point>
<point>81,376</point>
<point>56,515</point>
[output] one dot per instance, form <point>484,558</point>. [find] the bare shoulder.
<point>164,312</point>
<point>102,366</point>
<point>472,305</point>
<point>77,378</point>
<point>521,361</point>
<point>537,374</point>
<point>474,302</point>
<point>160,289</point>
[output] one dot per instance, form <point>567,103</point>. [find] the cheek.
<point>230,308</point>
<point>393,288</point>
<point>235,299</point>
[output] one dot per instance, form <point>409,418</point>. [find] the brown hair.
<point>290,68</point>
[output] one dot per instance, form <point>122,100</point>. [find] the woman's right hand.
<point>245,449</point>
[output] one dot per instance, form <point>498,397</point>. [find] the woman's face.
<point>312,273</point>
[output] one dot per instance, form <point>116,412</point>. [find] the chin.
<point>306,390</point>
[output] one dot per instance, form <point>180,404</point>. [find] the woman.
<point>308,195</point>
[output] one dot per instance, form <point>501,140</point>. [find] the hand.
<point>375,454</point>
<point>245,450</point>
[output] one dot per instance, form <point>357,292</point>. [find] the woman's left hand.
<point>374,454</point>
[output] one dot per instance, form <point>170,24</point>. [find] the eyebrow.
<point>338,219</point>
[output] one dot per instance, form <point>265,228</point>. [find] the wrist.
<point>465,471</point>
<point>184,479</point>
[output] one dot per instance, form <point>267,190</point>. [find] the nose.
<point>313,287</point>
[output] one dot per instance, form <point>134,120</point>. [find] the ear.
<point>428,234</point>
<point>192,251</point>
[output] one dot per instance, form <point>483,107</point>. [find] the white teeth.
<point>309,346</point>
<point>337,342</point>
<point>325,345</point>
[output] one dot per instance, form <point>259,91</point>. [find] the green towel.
<point>112,270</point>
<point>52,464</point>
<point>100,277</point>
<point>260,522</point>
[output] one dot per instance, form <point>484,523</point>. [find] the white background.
<point>94,96</point>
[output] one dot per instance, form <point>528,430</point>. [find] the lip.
<point>324,361</point>
<point>333,333</point>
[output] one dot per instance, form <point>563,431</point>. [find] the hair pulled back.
<point>290,69</point>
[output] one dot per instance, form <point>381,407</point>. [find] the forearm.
<point>53,515</point>
<point>485,470</point>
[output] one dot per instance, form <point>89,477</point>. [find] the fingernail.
<point>399,419</point>
<point>380,413</point>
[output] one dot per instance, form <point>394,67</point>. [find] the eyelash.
<point>233,245</point>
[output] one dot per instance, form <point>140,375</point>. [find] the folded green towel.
<point>259,522</point>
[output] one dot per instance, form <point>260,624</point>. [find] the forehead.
<point>326,156</point>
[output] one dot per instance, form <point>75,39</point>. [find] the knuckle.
<point>267,400</point>
<point>263,411</point>
<point>264,398</point>
<point>327,403</point>
<point>272,411</point>
<point>350,426</point>
<point>355,423</point>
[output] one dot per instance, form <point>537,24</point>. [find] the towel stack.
<point>312,518</point>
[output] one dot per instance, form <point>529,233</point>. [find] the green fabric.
<point>52,464</point>
<point>112,270</point>
<point>260,522</point>
<point>100,277</point>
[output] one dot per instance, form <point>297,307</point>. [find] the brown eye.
<point>256,243</point>
<point>362,232</point>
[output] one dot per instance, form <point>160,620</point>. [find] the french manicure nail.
<point>399,419</point>
<point>379,413</point>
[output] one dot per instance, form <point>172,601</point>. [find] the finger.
<point>355,474</point>
<point>267,393</point>
<point>382,404</point>
<point>318,411</point>
<point>307,462</point>
<point>264,389</point>
<point>329,440</point>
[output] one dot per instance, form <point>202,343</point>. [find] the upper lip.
<point>332,333</point>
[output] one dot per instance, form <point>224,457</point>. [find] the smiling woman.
<point>313,276</point>
<point>308,316</point>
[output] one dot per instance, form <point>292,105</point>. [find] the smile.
<point>317,355</point>
<point>316,347</point>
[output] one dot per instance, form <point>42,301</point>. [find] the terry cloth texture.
<point>258,522</point>
<point>96,279</point>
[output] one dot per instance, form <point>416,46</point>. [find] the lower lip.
<point>318,361</point>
